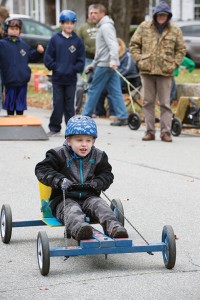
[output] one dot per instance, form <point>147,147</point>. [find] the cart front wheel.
<point>43,254</point>
<point>117,208</point>
<point>169,252</point>
<point>134,121</point>
<point>6,223</point>
<point>176,127</point>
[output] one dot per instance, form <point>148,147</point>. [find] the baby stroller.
<point>187,115</point>
<point>133,88</point>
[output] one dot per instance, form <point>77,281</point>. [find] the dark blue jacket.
<point>14,60</point>
<point>65,57</point>
<point>127,66</point>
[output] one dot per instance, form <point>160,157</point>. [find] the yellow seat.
<point>47,216</point>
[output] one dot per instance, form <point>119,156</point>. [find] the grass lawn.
<point>187,77</point>
<point>43,99</point>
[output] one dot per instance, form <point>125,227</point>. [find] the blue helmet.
<point>68,15</point>
<point>81,125</point>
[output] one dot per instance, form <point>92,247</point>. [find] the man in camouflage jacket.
<point>158,49</point>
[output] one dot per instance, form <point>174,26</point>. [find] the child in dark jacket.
<point>83,171</point>
<point>15,56</point>
<point>65,56</point>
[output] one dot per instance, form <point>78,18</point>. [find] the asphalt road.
<point>158,184</point>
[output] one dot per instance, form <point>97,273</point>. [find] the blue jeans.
<point>105,77</point>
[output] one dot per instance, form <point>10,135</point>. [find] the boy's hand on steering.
<point>95,186</point>
<point>66,184</point>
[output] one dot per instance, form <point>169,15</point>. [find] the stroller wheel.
<point>176,127</point>
<point>134,121</point>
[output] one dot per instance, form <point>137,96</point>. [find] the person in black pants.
<point>65,56</point>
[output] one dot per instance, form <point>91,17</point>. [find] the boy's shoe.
<point>52,133</point>
<point>84,233</point>
<point>119,232</point>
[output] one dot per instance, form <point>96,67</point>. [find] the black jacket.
<point>62,163</point>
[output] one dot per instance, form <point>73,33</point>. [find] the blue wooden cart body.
<point>99,244</point>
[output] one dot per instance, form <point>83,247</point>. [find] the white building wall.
<point>182,10</point>
<point>188,10</point>
<point>36,8</point>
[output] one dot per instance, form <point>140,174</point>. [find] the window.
<point>197,10</point>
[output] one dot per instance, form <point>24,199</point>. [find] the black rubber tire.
<point>117,207</point>
<point>169,253</point>
<point>43,253</point>
<point>176,127</point>
<point>6,223</point>
<point>134,121</point>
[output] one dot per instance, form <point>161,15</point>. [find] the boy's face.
<point>67,26</point>
<point>81,144</point>
<point>15,31</point>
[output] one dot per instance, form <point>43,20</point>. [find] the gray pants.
<point>160,86</point>
<point>76,210</point>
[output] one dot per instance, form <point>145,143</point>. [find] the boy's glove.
<point>95,186</point>
<point>66,183</point>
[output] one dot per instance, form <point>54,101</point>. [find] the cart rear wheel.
<point>117,207</point>
<point>169,252</point>
<point>43,254</point>
<point>176,127</point>
<point>6,223</point>
<point>134,121</point>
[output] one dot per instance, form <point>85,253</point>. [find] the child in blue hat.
<point>83,171</point>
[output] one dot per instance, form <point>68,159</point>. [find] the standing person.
<point>79,162</point>
<point>126,68</point>
<point>104,64</point>
<point>4,14</point>
<point>65,56</point>
<point>158,49</point>
<point>87,32</point>
<point>15,56</point>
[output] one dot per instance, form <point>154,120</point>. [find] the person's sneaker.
<point>166,137</point>
<point>149,137</point>
<point>52,133</point>
<point>120,122</point>
<point>84,233</point>
<point>119,232</point>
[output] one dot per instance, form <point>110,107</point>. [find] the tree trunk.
<point>121,12</point>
